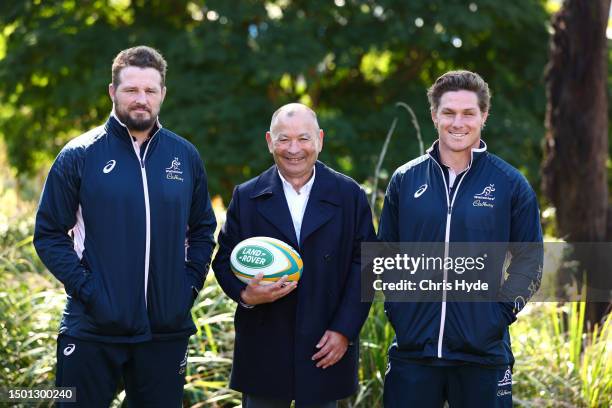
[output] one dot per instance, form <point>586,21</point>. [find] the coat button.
<point>327,257</point>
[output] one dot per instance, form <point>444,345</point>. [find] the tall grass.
<point>376,336</point>
<point>30,308</point>
<point>31,305</point>
<point>210,351</point>
<point>557,363</point>
<point>30,313</point>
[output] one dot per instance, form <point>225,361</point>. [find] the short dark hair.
<point>142,57</point>
<point>460,81</point>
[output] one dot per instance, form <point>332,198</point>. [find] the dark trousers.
<point>153,372</point>
<point>252,401</point>
<point>414,385</point>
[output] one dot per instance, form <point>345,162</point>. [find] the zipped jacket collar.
<point>476,153</point>
<point>114,126</point>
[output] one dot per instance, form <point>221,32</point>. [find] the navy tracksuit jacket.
<point>142,234</point>
<point>419,207</point>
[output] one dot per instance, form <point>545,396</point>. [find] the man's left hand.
<point>332,347</point>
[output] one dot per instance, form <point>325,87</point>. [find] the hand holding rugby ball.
<point>269,256</point>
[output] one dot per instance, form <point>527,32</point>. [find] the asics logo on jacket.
<point>492,203</point>
<point>139,243</point>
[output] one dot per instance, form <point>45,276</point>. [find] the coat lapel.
<point>271,204</point>
<point>322,203</point>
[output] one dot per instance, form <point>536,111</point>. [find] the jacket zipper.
<point>145,187</point>
<point>449,204</point>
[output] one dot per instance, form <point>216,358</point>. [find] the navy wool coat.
<point>275,341</point>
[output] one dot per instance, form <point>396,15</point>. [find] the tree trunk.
<point>576,149</point>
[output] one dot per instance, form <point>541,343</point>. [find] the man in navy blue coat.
<point>298,341</point>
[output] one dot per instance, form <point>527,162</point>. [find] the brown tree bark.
<point>576,148</point>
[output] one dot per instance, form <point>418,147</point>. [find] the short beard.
<point>138,125</point>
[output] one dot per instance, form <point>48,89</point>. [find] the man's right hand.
<point>255,293</point>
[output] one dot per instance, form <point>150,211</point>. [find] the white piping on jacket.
<point>145,188</point>
<point>449,204</point>
<point>78,232</point>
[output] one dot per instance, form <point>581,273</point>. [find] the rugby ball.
<point>269,256</point>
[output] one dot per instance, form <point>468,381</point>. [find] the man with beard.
<point>126,224</point>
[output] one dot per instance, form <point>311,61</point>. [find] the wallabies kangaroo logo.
<point>487,191</point>
<point>486,198</point>
<point>174,171</point>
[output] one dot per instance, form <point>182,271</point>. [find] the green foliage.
<point>376,337</point>
<point>210,350</point>
<point>231,64</point>
<point>557,363</point>
<point>30,308</point>
<point>16,221</point>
